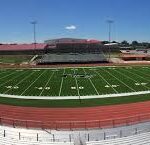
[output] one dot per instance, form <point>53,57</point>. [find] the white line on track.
<point>120,80</point>
<point>62,80</point>
<point>91,83</point>
<point>106,81</point>
<point>33,82</point>
<point>19,82</point>
<point>47,83</point>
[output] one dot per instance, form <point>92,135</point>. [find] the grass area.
<point>15,58</point>
<point>74,103</point>
<point>74,82</point>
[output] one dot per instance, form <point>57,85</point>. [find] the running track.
<point>66,118</point>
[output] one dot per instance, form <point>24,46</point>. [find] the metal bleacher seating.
<point>72,58</point>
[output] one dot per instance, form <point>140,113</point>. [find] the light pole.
<point>34,33</point>
<point>110,22</point>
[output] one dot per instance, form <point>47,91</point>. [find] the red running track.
<point>71,118</point>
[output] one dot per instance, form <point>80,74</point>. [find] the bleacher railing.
<point>73,125</point>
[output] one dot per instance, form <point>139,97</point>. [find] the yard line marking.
<point>77,85</point>
<point>3,72</point>
<point>130,78</point>
<point>119,80</point>
<point>19,82</point>
<point>106,81</point>
<point>32,82</point>
<point>47,83</point>
<point>91,82</point>
<point>12,78</point>
<point>8,75</point>
<point>62,80</point>
<point>140,77</point>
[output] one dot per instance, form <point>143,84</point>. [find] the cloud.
<point>71,27</point>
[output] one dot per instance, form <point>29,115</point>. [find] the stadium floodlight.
<point>110,22</point>
<point>34,33</point>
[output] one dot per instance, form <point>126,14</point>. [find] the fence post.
<point>4,133</point>
<point>88,137</point>
<point>19,136</point>
<point>104,136</point>
<point>70,137</point>
<point>53,138</point>
<point>37,137</point>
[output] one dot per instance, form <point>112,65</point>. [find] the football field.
<point>82,81</point>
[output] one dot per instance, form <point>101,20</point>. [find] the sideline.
<point>75,97</point>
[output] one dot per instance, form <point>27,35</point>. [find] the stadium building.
<point>69,50</point>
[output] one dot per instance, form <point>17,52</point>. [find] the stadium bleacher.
<point>72,58</point>
<point>128,135</point>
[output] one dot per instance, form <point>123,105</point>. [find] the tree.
<point>135,43</point>
<point>125,43</point>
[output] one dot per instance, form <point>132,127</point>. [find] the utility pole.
<point>110,22</point>
<point>34,34</point>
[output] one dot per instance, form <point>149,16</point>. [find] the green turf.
<point>74,103</point>
<point>74,82</point>
<point>15,58</point>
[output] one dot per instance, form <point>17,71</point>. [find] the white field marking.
<point>77,86</point>
<point>12,78</point>
<point>128,67</point>
<point>12,87</point>
<point>19,70</point>
<point>140,77</point>
<point>55,70</point>
<point>131,79</point>
<point>112,68</point>
<point>46,84</point>
<point>142,73</point>
<point>47,88</point>
<point>144,67</point>
<point>81,87</point>
<point>39,88</point>
<point>91,82</point>
<point>33,82</point>
<point>106,81</point>
<point>140,84</point>
<point>19,82</point>
<point>76,97</point>
<point>62,80</point>
<point>119,80</point>
<point>8,75</point>
<point>114,86</point>
<point>36,70</point>
<point>3,72</point>
<point>73,88</point>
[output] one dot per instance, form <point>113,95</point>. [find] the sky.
<point>75,19</point>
